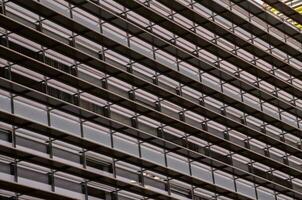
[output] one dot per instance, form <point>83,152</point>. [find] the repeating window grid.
<point>285,95</point>
<point>156,6</point>
<point>257,22</point>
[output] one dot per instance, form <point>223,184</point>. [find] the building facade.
<point>149,99</point>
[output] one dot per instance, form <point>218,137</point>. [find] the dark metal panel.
<point>269,18</point>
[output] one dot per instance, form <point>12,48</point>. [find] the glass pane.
<point>5,103</point>
<point>65,124</point>
<point>152,155</point>
<point>203,173</point>
<point>125,145</point>
<point>180,165</point>
<point>263,195</point>
<point>30,112</point>
<point>224,181</point>
<point>96,135</point>
<point>33,175</point>
<point>245,188</point>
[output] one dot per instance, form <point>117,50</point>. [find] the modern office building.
<point>150,99</point>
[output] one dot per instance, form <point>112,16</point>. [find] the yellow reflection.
<point>298,8</point>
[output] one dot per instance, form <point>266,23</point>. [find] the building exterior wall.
<point>156,99</point>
